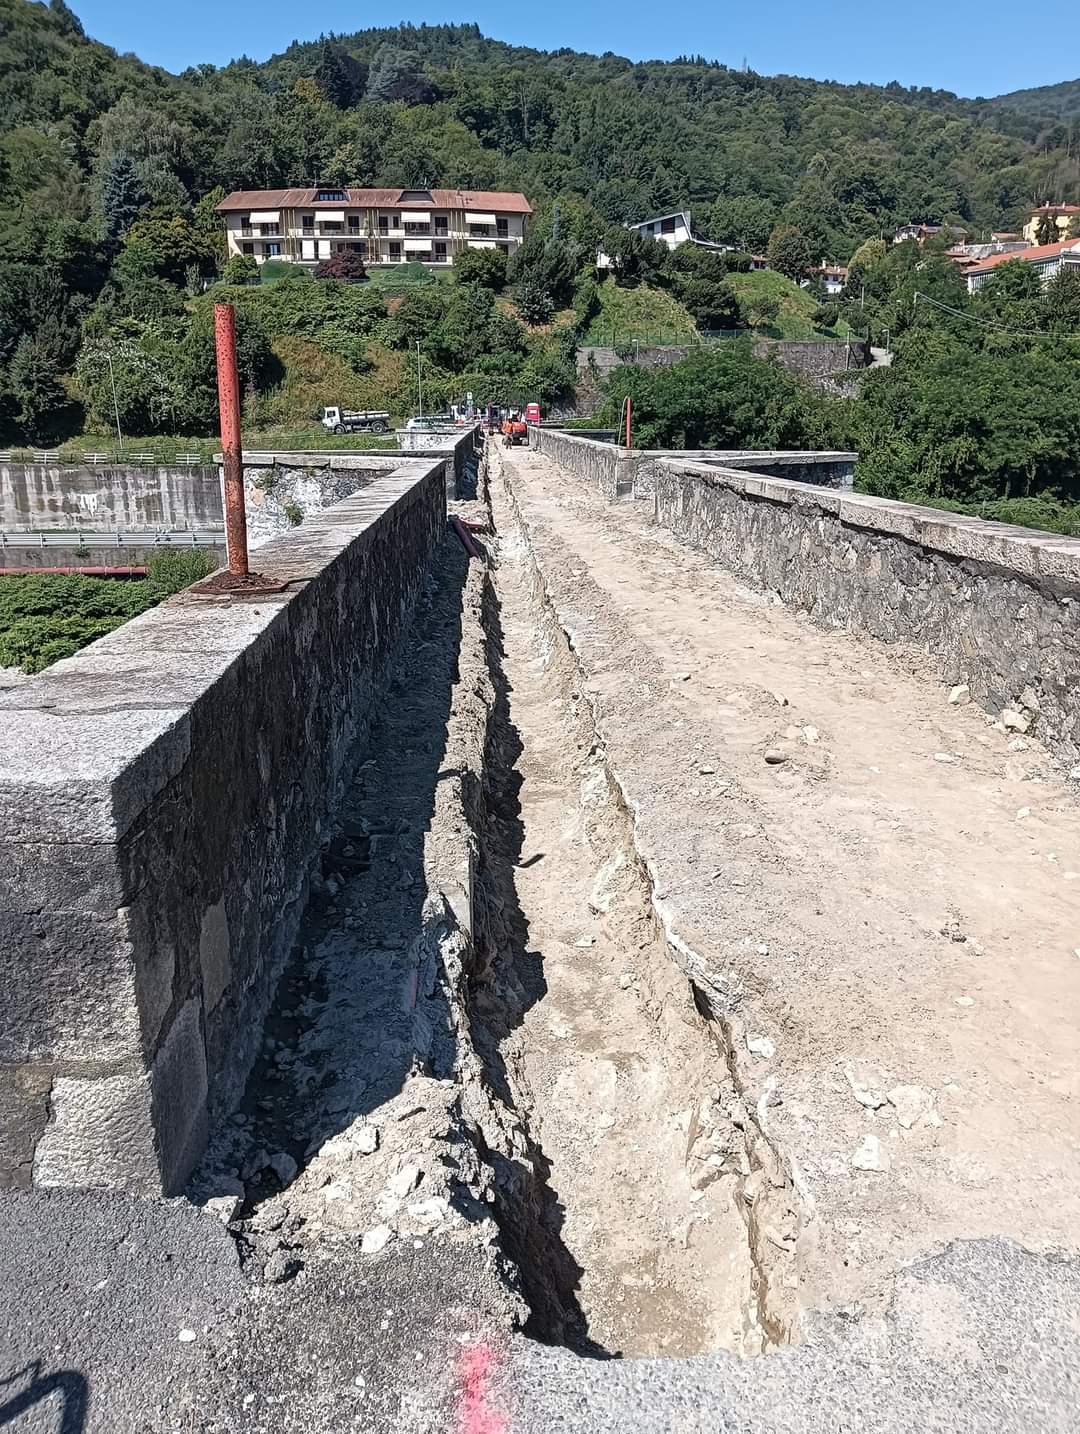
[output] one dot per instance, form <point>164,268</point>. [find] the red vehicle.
<point>514,430</point>
<point>532,413</point>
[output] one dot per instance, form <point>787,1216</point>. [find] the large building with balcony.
<point>383,226</point>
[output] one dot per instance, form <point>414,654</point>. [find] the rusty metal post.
<point>232,452</point>
<point>628,421</point>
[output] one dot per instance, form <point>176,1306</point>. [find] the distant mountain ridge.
<point>1060,101</point>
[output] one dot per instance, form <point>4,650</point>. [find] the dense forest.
<point>111,253</point>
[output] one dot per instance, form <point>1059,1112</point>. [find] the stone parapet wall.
<point>162,799</point>
<point>994,605</point>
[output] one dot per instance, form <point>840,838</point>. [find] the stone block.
<point>24,1112</point>
<point>101,1133</point>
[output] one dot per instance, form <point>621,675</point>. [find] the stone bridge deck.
<point>879,890</point>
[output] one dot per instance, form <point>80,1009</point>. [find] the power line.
<point>972,318</point>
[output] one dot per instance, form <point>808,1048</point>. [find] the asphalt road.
<point>135,1317</point>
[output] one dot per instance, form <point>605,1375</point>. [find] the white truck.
<point>342,420</point>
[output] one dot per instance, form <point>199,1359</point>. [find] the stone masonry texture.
<point>995,606</point>
<point>162,799</point>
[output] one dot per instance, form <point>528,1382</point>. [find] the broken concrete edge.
<point>1028,553</point>
<point>163,797</point>
<point>772,1176</point>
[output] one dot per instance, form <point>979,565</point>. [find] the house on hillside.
<point>921,232</point>
<point>383,226</point>
<point>674,230</point>
<point>1048,260</point>
<point>833,276</point>
<point>1060,215</point>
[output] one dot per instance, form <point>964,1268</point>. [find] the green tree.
<point>123,194</point>
<point>534,303</point>
<point>789,252</point>
<point>397,74</point>
<point>240,269</point>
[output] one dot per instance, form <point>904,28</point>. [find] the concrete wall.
<point>162,796</point>
<point>996,606</point>
<point>815,360</point>
<point>36,495</point>
<point>92,555</point>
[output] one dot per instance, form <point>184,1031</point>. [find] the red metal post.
<point>232,452</point>
<point>628,421</point>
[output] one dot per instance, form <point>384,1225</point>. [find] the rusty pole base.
<point>226,584</point>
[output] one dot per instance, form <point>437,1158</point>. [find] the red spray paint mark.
<point>475,1414</point>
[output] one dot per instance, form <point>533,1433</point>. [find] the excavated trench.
<point>549,1083</point>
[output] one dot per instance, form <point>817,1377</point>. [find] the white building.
<point>1047,260</point>
<point>670,229</point>
<point>383,226</point>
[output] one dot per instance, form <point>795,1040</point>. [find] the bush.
<point>534,303</point>
<point>174,569</point>
<point>344,265</point>
<point>826,316</point>
<point>240,269</point>
<point>481,266</point>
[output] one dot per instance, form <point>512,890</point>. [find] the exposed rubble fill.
<point>482,1038</point>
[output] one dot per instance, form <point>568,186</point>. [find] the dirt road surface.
<point>879,890</point>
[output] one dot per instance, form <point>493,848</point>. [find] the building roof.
<point>477,199</point>
<point>682,214</point>
<point>1054,209</point>
<point>1034,254</point>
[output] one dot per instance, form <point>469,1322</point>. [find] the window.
<point>308,223</point>
<point>440,252</point>
<point>323,194</point>
<point>273,251</point>
<point>502,228</point>
<point>441,224</point>
<point>245,224</point>
<point>667,226</point>
<point>247,249</point>
<point>354,223</point>
<point>418,229</point>
<point>395,250</point>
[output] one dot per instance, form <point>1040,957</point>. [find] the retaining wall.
<point>37,495</point>
<point>996,606</point>
<point>162,797</point>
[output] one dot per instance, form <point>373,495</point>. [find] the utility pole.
<point>419,382</point>
<point>232,453</point>
<point>116,406</point>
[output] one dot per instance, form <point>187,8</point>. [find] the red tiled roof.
<point>376,199</point>
<point>1027,256</point>
<point>1055,209</point>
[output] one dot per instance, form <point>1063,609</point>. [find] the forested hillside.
<point>111,253</point>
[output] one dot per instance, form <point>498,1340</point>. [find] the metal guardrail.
<point>115,459</point>
<point>114,538</point>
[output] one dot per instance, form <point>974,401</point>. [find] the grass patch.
<point>400,278</point>
<point>795,307</point>
<point>47,616</point>
<point>641,315</point>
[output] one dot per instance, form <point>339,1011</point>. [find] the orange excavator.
<point>514,429</point>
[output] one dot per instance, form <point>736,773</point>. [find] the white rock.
<point>626,980</point>
<point>283,1166</point>
<point>1023,812</point>
<point>1014,721</point>
<point>864,1082</point>
<point>774,756</point>
<point>186,1336</point>
<point>605,1120</point>
<point>760,1046</point>
<point>405,1181</point>
<point>366,1140</point>
<point>870,1156</point>
<point>964,1000</point>
<point>913,1105</point>
<point>1029,699</point>
<point>224,1207</point>
<point>706,771</point>
<point>1074,775</point>
<point>680,677</point>
<point>585,941</point>
<point>779,696</point>
<point>430,1212</point>
<point>811,735</point>
<point>960,696</point>
<point>944,757</point>
<point>376,1239</point>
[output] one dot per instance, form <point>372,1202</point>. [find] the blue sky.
<point>920,42</point>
